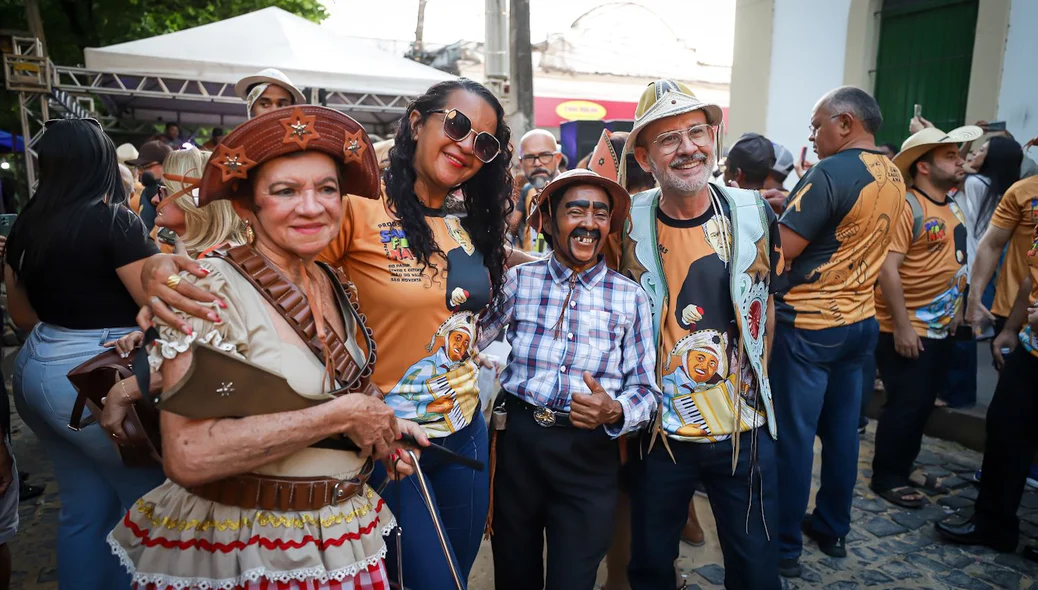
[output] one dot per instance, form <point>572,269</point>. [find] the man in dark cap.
<point>751,164</point>
<point>148,165</point>
<point>749,161</point>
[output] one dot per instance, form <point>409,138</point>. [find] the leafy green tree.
<point>70,26</point>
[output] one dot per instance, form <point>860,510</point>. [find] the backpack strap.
<point>917,213</point>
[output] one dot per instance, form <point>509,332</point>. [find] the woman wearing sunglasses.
<point>423,276</point>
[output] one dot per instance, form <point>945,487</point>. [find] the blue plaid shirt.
<point>607,331</point>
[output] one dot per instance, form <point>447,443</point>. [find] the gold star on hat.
<point>354,146</point>
<point>299,128</point>
<point>232,162</point>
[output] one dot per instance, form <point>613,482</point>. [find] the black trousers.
<point>911,386</point>
<point>1010,445</point>
<point>558,483</point>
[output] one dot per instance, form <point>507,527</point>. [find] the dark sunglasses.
<point>50,122</point>
<point>457,126</point>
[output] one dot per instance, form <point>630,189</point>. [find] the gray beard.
<point>671,184</point>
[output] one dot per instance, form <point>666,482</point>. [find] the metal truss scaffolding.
<point>135,100</point>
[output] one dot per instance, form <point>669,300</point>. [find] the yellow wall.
<point>988,54</point>
<point>862,44</point>
<point>751,66</point>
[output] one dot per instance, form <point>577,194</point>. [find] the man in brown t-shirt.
<point>1011,223</point>
<point>1010,444</point>
<point>919,303</point>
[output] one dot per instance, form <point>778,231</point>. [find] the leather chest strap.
<point>291,303</point>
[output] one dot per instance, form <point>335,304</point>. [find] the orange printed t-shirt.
<point>699,336</point>
<point>423,320</point>
<point>1027,337</point>
<point>1017,211</point>
<point>844,207</point>
<point>933,272</point>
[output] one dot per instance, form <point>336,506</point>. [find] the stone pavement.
<point>889,547</point>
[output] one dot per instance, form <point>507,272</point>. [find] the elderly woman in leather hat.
<point>259,500</point>
<point>580,375</point>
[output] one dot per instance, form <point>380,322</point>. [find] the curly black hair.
<point>487,194</point>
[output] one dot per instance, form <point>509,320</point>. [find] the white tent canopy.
<point>226,51</point>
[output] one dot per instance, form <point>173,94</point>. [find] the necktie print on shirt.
<point>794,203</point>
<point>468,282</point>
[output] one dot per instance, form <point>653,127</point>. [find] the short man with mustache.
<point>709,425</point>
<point>581,373</point>
<point>540,157</point>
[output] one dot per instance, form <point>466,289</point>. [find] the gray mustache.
<point>693,158</point>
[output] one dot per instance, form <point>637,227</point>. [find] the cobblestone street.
<point>889,547</point>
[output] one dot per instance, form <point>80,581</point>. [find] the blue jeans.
<point>661,489</point>
<point>816,384</point>
<point>868,385</point>
<point>94,486</point>
<point>462,498</point>
<point>958,376</point>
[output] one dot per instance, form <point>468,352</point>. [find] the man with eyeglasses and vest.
<point>706,256</point>
<point>540,157</point>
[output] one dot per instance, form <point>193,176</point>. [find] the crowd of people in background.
<point>680,319</point>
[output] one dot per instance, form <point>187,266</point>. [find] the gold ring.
<point>173,281</point>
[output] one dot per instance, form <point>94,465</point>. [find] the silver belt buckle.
<point>544,417</point>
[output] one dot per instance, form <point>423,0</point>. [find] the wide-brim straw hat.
<point>269,76</point>
<point>927,139</point>
<point>285,131</point>
<point>662,99</point>
<point>621,199</point>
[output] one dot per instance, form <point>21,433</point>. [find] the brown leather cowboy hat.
<point>621,199</point>
<point>285,131</point>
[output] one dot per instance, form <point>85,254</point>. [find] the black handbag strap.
<point>141,367</point>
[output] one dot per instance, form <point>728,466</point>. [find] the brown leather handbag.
<point>93,379</point>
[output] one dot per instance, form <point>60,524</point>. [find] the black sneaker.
<point>27,492</point>
<point>1031,551</point>
<point>831,546</point>
<point>789,568</point>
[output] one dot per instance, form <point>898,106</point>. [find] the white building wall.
<point>1018,95</point>
<point>809,41</point>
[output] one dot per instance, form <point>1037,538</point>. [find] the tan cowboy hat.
<point>621,199</point>
<point>126,152</point>
<point>662,99</point>
<point>925,140</point>
<point>269,76</point>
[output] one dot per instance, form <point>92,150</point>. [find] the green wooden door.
<point>925,54</point>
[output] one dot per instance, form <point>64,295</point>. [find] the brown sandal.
<point>900,494</point>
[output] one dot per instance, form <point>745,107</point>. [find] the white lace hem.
<point>319,574</point>
<point>169,349</point>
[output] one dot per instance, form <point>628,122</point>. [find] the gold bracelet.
<point>122,386</point>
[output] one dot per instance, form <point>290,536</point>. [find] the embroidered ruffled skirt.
<point>172,539</point>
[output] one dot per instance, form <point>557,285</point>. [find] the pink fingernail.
<point>204,272</point>
<point>221,303</point>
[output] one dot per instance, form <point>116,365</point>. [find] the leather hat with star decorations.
<point>285,131</point>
